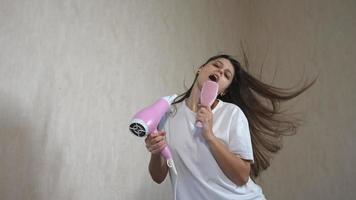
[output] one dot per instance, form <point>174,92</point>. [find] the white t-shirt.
<point>199,176</point>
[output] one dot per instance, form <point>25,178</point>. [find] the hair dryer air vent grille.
<point>138,129</point>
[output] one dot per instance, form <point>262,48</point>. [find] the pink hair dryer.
<point>146,121</point>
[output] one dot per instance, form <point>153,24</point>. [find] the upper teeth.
<point>215,77</point>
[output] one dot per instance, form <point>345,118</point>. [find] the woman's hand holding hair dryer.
<point>155,142</point>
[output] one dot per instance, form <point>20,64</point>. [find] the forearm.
<point>235,168</point>
<point>158,168</point>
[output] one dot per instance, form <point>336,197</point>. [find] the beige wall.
<point>311,37</point>
<point>72,73</point>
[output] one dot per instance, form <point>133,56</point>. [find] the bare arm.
<point>235,168</point>
<point>157,167</point>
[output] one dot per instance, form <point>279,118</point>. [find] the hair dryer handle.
<point>166,153</point>
<point>199,124</point>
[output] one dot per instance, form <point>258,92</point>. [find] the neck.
<point>193,100</point>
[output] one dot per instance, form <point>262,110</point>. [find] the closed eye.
<point>227,76</point>
<point>216,65</point>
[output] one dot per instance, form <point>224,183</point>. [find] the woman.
<point>240,132</point>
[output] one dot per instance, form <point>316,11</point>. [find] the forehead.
<point>225,62</point>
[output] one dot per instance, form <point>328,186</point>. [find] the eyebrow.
<point>220,63</point>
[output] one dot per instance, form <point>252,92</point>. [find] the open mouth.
<point>214,78</point>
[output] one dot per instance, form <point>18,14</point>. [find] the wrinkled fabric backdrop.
<point>73,72</point>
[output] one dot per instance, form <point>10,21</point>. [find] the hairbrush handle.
<point>208,94</point>
<point>199,124</point>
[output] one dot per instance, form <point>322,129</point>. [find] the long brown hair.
<point>260,102</point>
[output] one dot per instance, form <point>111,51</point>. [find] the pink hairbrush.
<point>208,94</point>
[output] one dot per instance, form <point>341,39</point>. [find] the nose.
<point>221,72</point>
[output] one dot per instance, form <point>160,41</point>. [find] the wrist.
<point>210,137</point>
<point>156,155</point>
<point>158,158</point>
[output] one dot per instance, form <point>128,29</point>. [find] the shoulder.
<point>234,111</point>
<point>233,108</point>
<point>175,108</point>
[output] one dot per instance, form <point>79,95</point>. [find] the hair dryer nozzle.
<point>147,119</point>
<point>138,127</point>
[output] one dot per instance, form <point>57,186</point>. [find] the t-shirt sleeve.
<point>239,136</point>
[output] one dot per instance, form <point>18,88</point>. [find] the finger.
<point>152,140</point>
<point>155,133</point>
<point>204,110</point>
<point>205,115</point>
<point>201,119</point>
<point>158,145</point>
<point>153,136</point>
<point>200,112</point>
<point>161,133</point>
<point>157,139</point>
<point>199,115</point>
<point>158,133</point>
<point>148,139</point>
<point>202,106</point>
<point>157,148</point>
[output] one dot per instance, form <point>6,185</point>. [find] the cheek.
<point>226,83</point>
<point>223,85</point>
